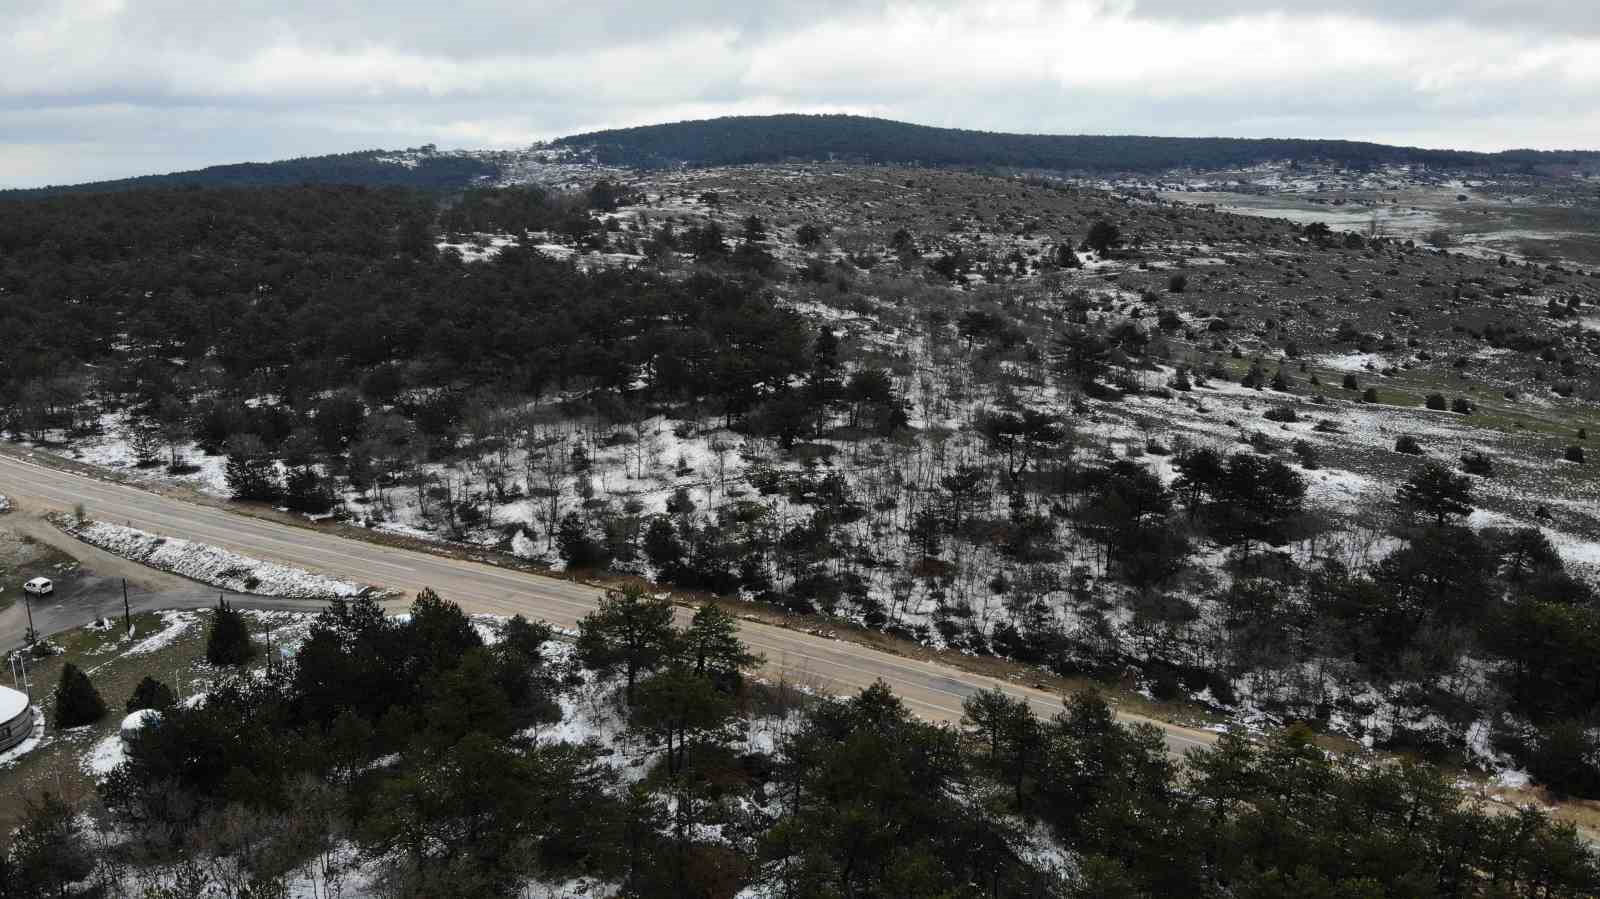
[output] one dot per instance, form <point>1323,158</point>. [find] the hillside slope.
<point>737,140</point>
<point>422,169</point>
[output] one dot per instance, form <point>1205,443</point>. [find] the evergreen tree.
<point>711,644</point>
<point>577,545</point>
<point>49,853</point>
<point>251,472</point>
<point>145,441</point>
<point>77,701</point>
<point>151,694</point>
<point>680,708</point>
<point>229,641</point>
<point>631,631</point>
<point>1258,496</point>
<point>306,490</point>
<point>663,548</point>
<point>1103,237</point>
<point>1435,492</point>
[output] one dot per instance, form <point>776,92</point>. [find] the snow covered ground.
<point>212,565</point>
<point>111,446</point>
<point>174,624</point>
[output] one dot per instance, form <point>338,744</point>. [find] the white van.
<point>39,586</point>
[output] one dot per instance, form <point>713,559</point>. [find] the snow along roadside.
<point>211,564</point>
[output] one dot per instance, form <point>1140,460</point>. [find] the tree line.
<point>741,140</point>
<point>420,755</point>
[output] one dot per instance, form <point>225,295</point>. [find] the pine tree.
<point>77,701</point>
<point>229,641</point>
<point>49,853</point>
<point>680,709</point>
<point>1103,237</point>
<point>712,646</point>
<point>145,442</point>
<point>306,490</point>
<point>1436,492</point>
<point>151,694</point>
<point>251,473</point>
<point>630,630</point>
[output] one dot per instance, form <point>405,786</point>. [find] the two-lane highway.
<point>931,690</point>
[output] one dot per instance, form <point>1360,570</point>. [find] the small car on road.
<point>39,586</point>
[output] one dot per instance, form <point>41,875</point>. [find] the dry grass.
<point>56,764</point>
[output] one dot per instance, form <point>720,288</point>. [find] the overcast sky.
<point>106,88</point>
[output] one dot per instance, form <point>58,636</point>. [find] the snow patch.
<point>173,626</point>
<point>213,565</point>
<point>105,756</point>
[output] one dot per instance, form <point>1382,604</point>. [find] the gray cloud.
<point>1562,17</point>
<point>104,88</point>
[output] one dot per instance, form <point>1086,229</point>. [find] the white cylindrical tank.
<point>16,717</point>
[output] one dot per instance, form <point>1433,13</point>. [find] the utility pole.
<point>127,614</point>
<point>28,604</point>
<point>19,673</point>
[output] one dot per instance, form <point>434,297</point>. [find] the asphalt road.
<point>932,691</point>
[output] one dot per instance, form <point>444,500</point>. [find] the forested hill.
<point>420,169</point>
<point>756,139</point>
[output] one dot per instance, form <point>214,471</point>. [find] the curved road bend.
<point>931,690</point>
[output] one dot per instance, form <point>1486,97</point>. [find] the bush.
<point>1103,237</point>
<point>1462,405</point>
<point>1350,382</point>
<point>1563,760</point>
<point>1164,684</point>
<point>1408,444</point>
<point>1177,283</point>
<point>1477,463</point>
<point>1281,413</point>
<point>77,701</point>
<point>151,694</point>
<point>229,640</point>
<point>1370,396</point>
<point>307,491</point>
<point>578,547</point>
<point>1307,454</point>
<point>1575,454</point>
<point>1436,402</point>
<point>1583,433</point>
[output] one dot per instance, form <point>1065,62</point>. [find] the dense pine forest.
<point>296,292</point>
<point>427,171</point>
<point>740,140</point>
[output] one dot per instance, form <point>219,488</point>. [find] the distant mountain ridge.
<point>420,168</point>
<point>736,140</point>
<point>740,140</point>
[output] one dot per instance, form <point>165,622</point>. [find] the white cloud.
<point>94,89</point>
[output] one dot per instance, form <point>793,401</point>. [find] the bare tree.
<point>546,464</point>
<point>174,424</point>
